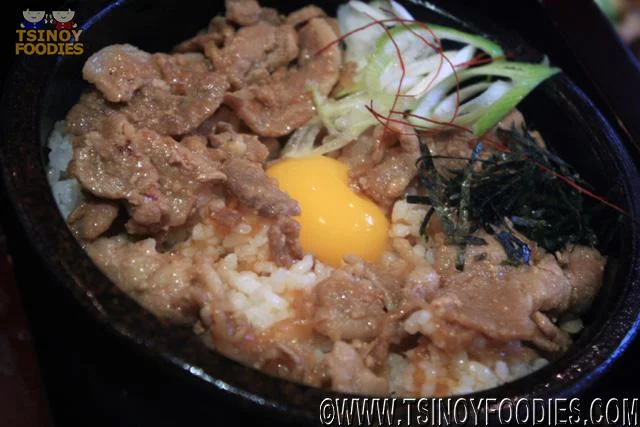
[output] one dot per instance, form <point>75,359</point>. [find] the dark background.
<point>56,365</point>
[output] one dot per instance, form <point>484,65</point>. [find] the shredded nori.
<point>518,252</point>
<point>517,189</point>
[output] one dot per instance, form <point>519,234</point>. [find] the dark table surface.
<point>57,366</point>
<point>23,400</point>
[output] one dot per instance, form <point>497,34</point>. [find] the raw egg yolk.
<point>335,221</point>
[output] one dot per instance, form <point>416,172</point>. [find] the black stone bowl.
<point>40,90</point>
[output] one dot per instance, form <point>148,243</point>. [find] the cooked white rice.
<point>66,191</point>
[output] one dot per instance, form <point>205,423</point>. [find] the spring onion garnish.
<point>481,105</point>
<point>426,74</point>
<point>611,9</point>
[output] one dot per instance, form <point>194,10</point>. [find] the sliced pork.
<point>518,296</point>
<point>349,307</point>
<point>119,70</point>
<point>389,179</point>
<point>93,218</point>
<point>248,181</point>
<point>283,103</point>
<point>243,12</point>
<point>227,145</point>
<point>254,53</point>
<point>349,374</point>
<point>161,180</point>
<point>302,16</point>
<point>170,94</point>
<point>162,283</point>
<point>284,241</point>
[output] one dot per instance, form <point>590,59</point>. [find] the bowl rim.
<point>614,342</point>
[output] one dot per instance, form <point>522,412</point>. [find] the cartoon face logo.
<point>62,19</point>
<point>63,15</point>
<point>33,19</point>
<point>33,16</point>
<point>49,33</point>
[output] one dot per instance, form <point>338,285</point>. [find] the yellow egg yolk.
<point>335,221</point>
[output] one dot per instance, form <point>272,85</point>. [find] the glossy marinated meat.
<point>88,113</point>
<point>420,287</point>
<point>248,181</point>
<point>219,32</point>
<point>302,16</point>
<point>519,296</point>
<point>243,12</point>
<point>453,148</point>
<point>388,180</point>
<point>163,283</point>
<point>93,218</point>
<point>181,96</point>
<point>584,267</point>
<point>446,254</point>
<point>285,350</point>
<point>283,103</point>
<point>254,53</point>
<point>119,70</point>
<point>358,154</point>
<point>189,95</point>
<point>161,181</point>
<point>349,307</point>
<point>223,120</point>
<point>346,81</point>
<point>349,374</point>
<point>466,297</point>
<point>284,241</point>
<point>271,16</point>
<point>227,145</point>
